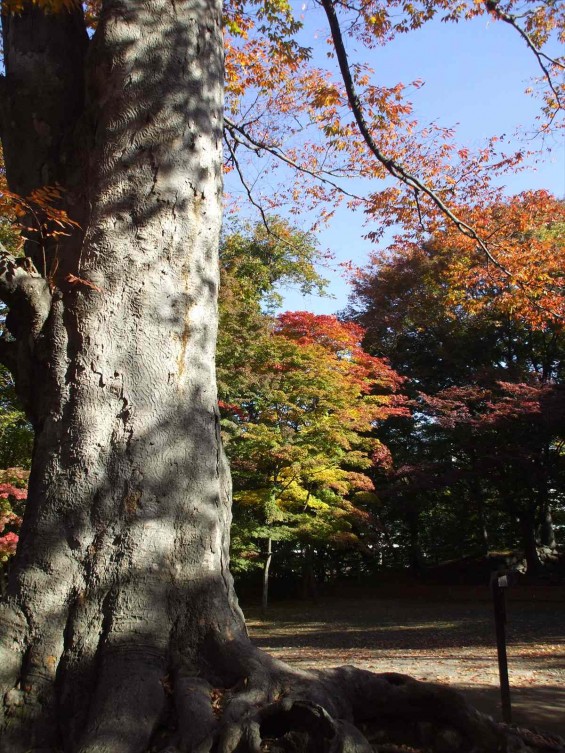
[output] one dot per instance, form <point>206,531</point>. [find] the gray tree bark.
<point>120,631</point>
<point>123,560</point>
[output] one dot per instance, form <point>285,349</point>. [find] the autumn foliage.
<point>13,494</point>
<point>301,440</point>
<point>479,466</point>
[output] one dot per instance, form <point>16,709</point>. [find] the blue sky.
<point>475,74</point>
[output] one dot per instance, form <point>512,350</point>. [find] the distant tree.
<point>255,264</point>
<point>514,434</point>
<point>300,438</point>
<point>466,349</point>
<point>16,434</point>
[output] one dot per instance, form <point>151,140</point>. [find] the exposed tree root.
<point>275,709</point>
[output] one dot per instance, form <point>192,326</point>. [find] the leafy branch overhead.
<point>296,115</point>
<point>283,108</point>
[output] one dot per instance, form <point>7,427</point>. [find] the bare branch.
<point>419,208</point>
<point>253,202</point>
<point>255,145</point>
<point>256,204</point>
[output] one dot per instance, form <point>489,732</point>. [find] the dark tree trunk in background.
<point>120,631</point>
<point>309,585</point>
<point>415,559</point>
<point>528,527</point>
<point>478,500</point>
<point>545,518</point>
<point>266,568</point>
<point>547,530</point>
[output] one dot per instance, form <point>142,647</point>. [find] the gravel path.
<point>446,642</point>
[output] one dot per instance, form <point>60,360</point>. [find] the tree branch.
<point>252,201</point>
<point>25,292</point>
<point>494,7</point>
<point>255,145</point>
<point>397,170</point>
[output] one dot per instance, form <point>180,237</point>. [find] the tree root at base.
<point>236,699</point>
<point>345,710</point>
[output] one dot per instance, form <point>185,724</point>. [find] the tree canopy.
<point>485,371</point>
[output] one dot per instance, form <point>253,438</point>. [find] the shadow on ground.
<point>449,642</point>
<point>541,706</point>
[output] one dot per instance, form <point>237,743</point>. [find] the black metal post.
<point>499,583</point>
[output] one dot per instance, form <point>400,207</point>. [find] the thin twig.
<point>419,208</point>
<point>256,204</point>
<point>494,7</point>
<point>248,191</point>
<point>255,145</point>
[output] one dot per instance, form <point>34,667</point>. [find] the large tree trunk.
<point>120,632</point>
<point>123,562</point>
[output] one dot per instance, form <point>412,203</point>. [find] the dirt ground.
<point>449,642</point>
